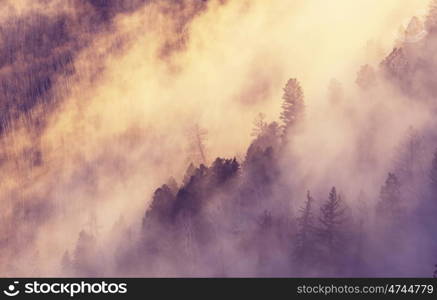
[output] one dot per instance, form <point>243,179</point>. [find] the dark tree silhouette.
<point>223,169</point>
<point>260,173</point>
<point>292,105</point>
<point>202,184</point>
<point>197,148</point>
<point>259,125</point>
<point>331,232</point>
<point>84,254</point>
<point>173,185</point>
<point>190,197</point>
<point>270,137</point>
<point>188,173</point>
<point>409,161</point>
<point>389,205</point>
<point>304,250</point>
<point>397,66</point>
<point>162,205</point>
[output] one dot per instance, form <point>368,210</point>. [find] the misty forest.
<point>218,138</point>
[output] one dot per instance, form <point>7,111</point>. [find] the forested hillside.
<point>218,138</point>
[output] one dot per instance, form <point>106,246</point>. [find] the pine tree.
<point>188,173</point>
<point>173,185</point>
<point>396,64</point>
<point>222,170</point>
<point>270,137</point>
<point>389,206</point>
<point>331,231</point>
<point>160,209</point>
<point>427,208</point>
<point>259,125</point>
<point>197,148</point>
<point>260,173</point>
<point>84,255</point>
<point>409,161</point>
<point>292,106</point>
<point>360,239</point>
<point>304,247</point>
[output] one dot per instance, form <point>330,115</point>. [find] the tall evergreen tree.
<point>197,147</point>
<point>304,244</point>
<point>293,105</point>
<point>270,137</point>
<point>188,174</point>
<point>259,125</point>
<point>160,209</point>
<point>396,65</point>
<point>410,159</point>
<point>84,254</point>
<point>360,238</point>
<point>389,205</point>
<point>331,232</point>
<point>223,170</point>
